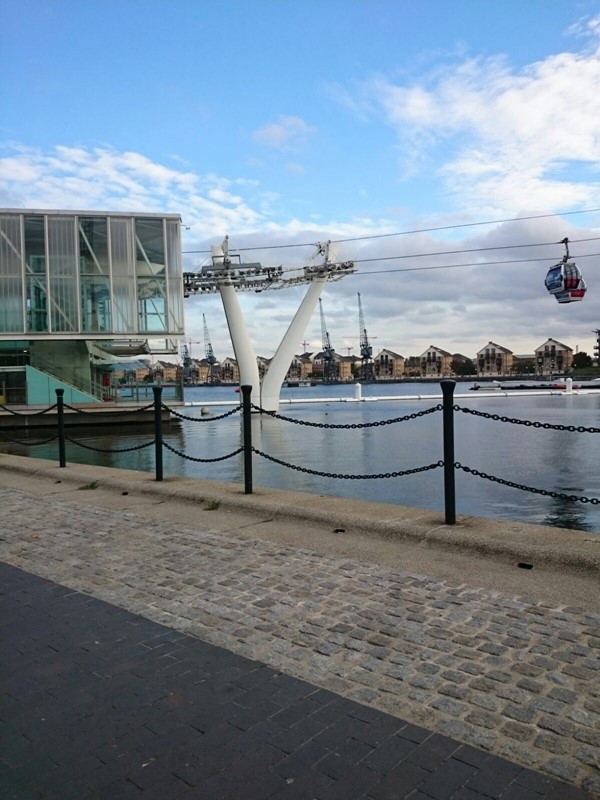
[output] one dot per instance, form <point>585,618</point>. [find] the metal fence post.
<point>449,486</point>
<point>158,442</point>
<point>60,413</point>
<point>247,437</point>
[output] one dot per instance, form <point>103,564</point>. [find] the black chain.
<point>201,419</point>
<point>399,474</point>
<point>353,425</point>
<point>28,444</point>
<point>202,460</point>
<point>111,450</point>
<point>559,495</point>
<point>119,410</point>
<point>29,414</point>
<point>528,423</point>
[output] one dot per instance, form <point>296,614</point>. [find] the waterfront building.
<point>435,363</point>
<point>230,372</point>
<point>493,359</point>
<point>77,289</point>
<point>166,372</point>
<point>388,365</point>
<point>347,367</point>
<point>553,356</point>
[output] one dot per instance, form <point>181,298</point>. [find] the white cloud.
<point>104,178</point>
<point>288,133</point>
<point>501,137</point>
<point>586,27</point>
<point>457,309</point>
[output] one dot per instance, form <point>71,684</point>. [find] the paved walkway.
<point>102,703</point>
<point>504,675</point>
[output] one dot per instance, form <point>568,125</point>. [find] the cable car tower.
<point>228,275</point>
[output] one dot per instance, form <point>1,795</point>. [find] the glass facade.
<point>90,275</point>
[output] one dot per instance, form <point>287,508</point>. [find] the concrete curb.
<point>565,549</point>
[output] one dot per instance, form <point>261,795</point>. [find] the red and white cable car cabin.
<point>564,280</point>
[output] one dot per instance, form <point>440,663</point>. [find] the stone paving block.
<point>245,591</point>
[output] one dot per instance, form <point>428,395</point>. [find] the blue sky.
<point>278,122</point>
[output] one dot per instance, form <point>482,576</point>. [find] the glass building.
<point>72,282</point>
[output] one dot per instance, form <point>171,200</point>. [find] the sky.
<point>399,128</point>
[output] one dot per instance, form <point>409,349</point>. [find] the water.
<point>546,459</point>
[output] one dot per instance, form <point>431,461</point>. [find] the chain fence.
<point>110,449</point>
<point>349,477</point>
<point>247,450</point>
<point>28,442</point>
<point>27,413</point>
<point>574,498</point>
<point>547,426</point>
<point>350,425</point>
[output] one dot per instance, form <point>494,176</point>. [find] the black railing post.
<point>247,424</point>
<point>158,442</point>
<point>449,487</point>
<point>60,413</point>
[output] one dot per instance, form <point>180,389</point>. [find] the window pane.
<point>150,273</point>
<point>62,271</point>
<point>93,245</point>
<point>35,270</point>
<point>122,256</point>
<point>175,286</point>
<point>11,277</point>
<point>95,304</point>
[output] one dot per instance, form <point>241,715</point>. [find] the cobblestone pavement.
<point>101,704</point>
<point>505,674</point>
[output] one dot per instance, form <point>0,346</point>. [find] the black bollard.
<point>449,487</point>
<point>60,413</point>
<point>158,443</point>
<point>247,437</point>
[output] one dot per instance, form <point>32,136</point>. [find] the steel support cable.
<point>201,419</point>
<point>351,425</point>
<point>202,460</point>
<point>307,471</point>
<point>523,487</point>
<point>547,426</point>
<point>418,230</point>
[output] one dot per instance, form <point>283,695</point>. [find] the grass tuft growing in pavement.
<point>88,486</point>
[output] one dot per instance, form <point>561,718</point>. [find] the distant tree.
<point>581,360</point>
<point>463,367</point>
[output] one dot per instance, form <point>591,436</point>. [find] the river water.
<point>546,459</point>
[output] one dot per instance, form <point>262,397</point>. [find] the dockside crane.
<point>366,350</point>
<point>208,352</point>
<point>187,365</point>
<point>328,351</point>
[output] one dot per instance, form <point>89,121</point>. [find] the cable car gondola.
<point>564,280</point>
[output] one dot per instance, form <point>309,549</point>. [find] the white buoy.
<point>357,391</point>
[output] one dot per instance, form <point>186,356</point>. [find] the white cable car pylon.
<point>227,274</point>
<point>564,280</point>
